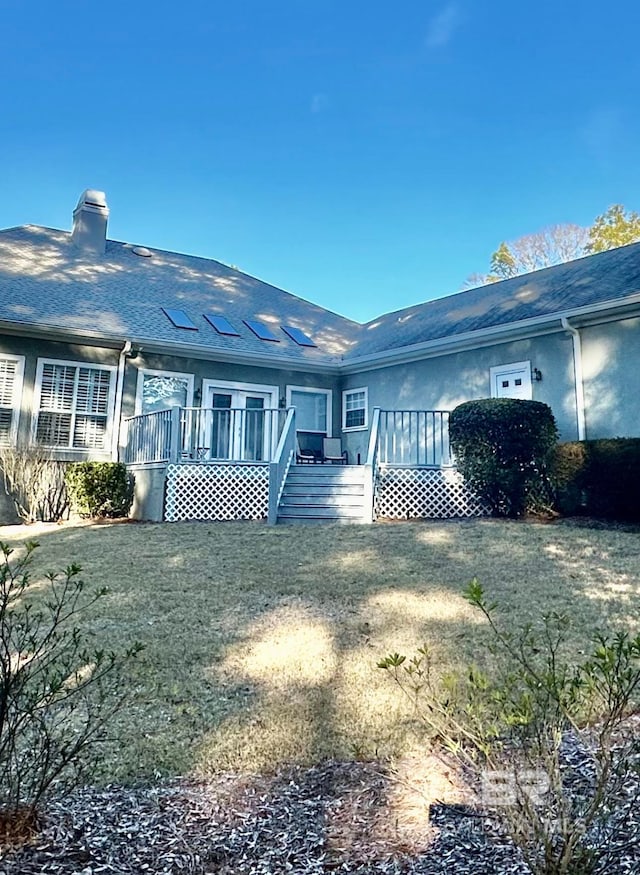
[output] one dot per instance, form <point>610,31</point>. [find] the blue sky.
<point>366,156</point>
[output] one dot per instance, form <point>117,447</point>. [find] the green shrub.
<point>503,448</point>
<point>543,732</point>
<point>58,693</point>
<point>99,489</point>
<point>600,478</point>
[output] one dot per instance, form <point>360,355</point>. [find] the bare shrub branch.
<point>35,483</point>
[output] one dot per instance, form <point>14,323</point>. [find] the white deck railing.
<point>279,466</point>
<point>414,438</point>
<point>148,438</point>
<point>202,434</point>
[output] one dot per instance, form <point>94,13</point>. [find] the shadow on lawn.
<point>261,643</point>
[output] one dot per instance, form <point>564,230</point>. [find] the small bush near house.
<point>99,489</point>
<point>35,483</point>
<point>57,693</point>
<point>599,478</point>
<point>503,448</point>
<point>521,728</point>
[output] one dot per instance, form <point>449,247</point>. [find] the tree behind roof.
<point>560,243</point>
<point>615,227</point>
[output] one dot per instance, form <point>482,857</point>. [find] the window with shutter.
<point>74,404</point>
<point>11,371</point>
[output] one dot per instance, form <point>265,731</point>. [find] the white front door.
<point>512,381</point>
<point>235,426</point>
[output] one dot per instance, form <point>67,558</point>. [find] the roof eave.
<point>245,357</point>
<point>538,325</point>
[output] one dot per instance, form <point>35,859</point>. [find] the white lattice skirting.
<point>435,493</point>
<point>217,492</point>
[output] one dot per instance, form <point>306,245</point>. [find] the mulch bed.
<point>333,818</point>
<point>337,817</point>
<point>329,819</point>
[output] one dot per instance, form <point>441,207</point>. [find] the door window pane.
<point>221,425</point>
<point>254,429</point>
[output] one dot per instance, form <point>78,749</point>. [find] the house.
<point>207,381</point>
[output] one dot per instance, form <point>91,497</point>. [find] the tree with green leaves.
<point>615,227</point>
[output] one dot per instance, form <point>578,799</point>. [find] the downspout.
<point>117,407</point>
<point>578,375</point>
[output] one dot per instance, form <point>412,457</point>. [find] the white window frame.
<point>16,400</point>
<point>345,395</point>
<point>144,372</point>
<point>314,390</point>
<point>512,368</point>
<point>37,392</point>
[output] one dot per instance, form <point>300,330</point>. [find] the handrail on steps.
<point>279,467</point>
<point>370,468</point>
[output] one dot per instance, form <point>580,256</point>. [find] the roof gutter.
<point>238,357</point>
<point>578,375</point>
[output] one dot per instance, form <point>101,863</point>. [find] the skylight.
<point>260,330</point>
<point>179,318</point>
<point>221,325</point>
<point>298,336</point>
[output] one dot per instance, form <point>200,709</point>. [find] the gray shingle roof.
<point>46,282</point>
<point>585,282</point>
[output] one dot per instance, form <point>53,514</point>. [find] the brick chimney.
<point>89,232</point>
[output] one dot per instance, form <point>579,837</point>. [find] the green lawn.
<point>261,643</point>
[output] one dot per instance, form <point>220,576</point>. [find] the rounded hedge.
<point>99,489</point>
<point>503,449</point>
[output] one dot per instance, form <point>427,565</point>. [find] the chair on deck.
<point>332,452</point>
<point>309,447</point>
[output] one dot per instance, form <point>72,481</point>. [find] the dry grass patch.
<point>261,643</point>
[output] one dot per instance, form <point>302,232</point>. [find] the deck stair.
<point>323,492</point>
